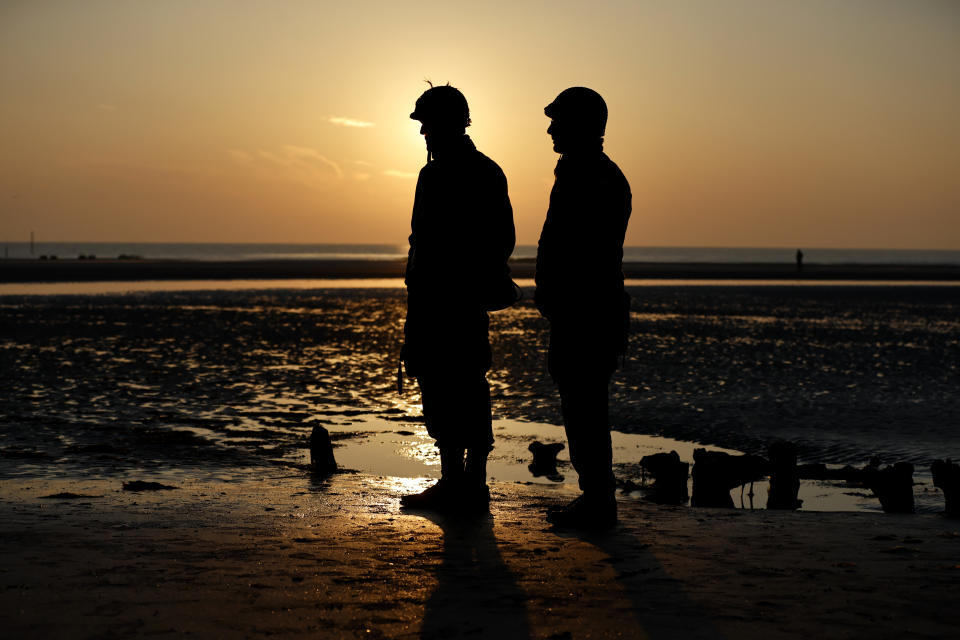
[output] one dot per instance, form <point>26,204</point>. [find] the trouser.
<point>581,360</point>
<point>583,404</point>
<point>456,409</point>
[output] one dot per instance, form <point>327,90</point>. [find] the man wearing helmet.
<point>579,290</point>
<point>462,235</point>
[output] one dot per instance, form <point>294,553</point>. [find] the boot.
<point>445,495</point>
<point>441,497</point>
<point>476,494</point>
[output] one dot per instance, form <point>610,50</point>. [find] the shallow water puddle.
<point>403,450</point>
<point>404,453</point>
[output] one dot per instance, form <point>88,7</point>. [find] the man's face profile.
<point>437,134</point>
<point>427,132</point>
<point>558,134</point>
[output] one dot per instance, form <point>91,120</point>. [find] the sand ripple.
<point>238,377</point>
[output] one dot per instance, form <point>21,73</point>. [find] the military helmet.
<point>443,104</point>
<point>581,107</point>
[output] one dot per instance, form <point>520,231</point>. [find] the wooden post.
<point>321,451</point>
<point>946,477</point>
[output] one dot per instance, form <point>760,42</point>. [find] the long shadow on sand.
<point>476,594</point>
<point>660,606</point>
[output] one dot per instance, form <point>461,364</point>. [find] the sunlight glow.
<point>742,124</point>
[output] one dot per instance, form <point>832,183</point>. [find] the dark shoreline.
<point>71,270</point>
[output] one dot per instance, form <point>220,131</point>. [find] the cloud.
<point>305,156</point>
<point>350,122</point>
<point>362,163</point>
<point>240,156</point>
<point>103,106</point>
<point>361,176</point>
<point>406,175</point>
<point>304,164</point>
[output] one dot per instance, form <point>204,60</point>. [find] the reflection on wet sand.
<point>403,458</point>
<point>286,555</point>
<point>231,379</point>
<point>216,393</point>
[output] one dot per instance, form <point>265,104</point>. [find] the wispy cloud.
<point>349,122</point>
<point>240,156</point>
<point>293,161</point>
<point>406,175</point>
<point>103,106</point>
<point>311,158</point>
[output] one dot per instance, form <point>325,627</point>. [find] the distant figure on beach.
<point>799,260</point>
<point>580,291</point>
<point>462,235</point>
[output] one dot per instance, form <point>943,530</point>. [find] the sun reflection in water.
<point>394,485</point>
<point>404,459</point>
<point>424,452</point>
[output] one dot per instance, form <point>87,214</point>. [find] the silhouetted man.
<point>462,235</point>
<point>580,291</point>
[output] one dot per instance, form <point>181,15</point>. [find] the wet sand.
<point>845,372</point>
<point>285,555</point>
<point>72,270</point>
<point>215,393</point>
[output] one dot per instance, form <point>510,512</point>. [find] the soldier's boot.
<point>444,496</point>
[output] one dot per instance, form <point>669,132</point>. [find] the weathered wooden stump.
<point>321,451</point>
<point>716,473</point>
<point>544,458</point>
<point>669,477</point>
<point>784,476</point>
<point>893,485</point>
<point>946,477</point>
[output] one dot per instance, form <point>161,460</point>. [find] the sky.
<point>741,123</point>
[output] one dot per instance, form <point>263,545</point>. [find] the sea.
<point>263,251</point>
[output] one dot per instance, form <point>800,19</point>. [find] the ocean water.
<point>243,251</point>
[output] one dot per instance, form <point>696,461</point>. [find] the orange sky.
<point>738,123</point>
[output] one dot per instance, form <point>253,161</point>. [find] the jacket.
<point>579,274</point>
<point>462,234</point>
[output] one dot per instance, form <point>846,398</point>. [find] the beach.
<point>285,555</point>
<point>215,393</point>
<point>750,211</point>
<point>845,372</point>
